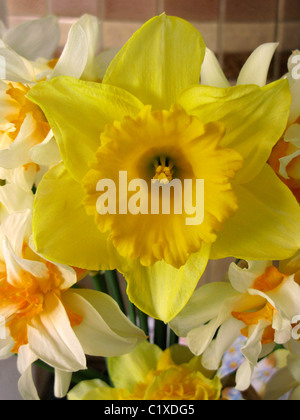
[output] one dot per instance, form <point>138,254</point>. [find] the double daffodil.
<point>152,119</point>
<point>148,373</point>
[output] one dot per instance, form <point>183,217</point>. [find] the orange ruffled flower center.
<point>270,280</point>
<point>21,302</point>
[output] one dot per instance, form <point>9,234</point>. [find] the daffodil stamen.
<point>163,170</point>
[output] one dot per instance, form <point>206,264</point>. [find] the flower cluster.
<point>161,111</point>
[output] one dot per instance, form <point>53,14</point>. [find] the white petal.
<point>255,70</point>
<point>52,338</point>
<point>203,306</point>
<point>26,384</point>
<point>103,60</point>
<point>15,199</point>
<point>18,153</point>
<point>15,68</point>
<point>3,29</point>
<point>36,38</point>
<point>16,228</point>
<point>62,383</point>
<point>244,375</point>
<point>229,332</point>
<point>46,153</point>
<point>6,346</point>
<point>104,330</point>
<point>293,362</point>
<point>242,279</point>
<point>16,266</point>
<point>74,57</point>
<point>212,73</point>
<point>280,384</point>
<point>285,298</point>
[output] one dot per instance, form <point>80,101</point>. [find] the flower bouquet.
<point>140,166</point>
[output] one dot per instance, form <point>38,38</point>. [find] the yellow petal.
<point>266,226</point>
<point>254,119</point>
<point>93,390</point>
<point>128,370</point>
<point>62,231</point>
<point>162,59</point>
<point>161,290</point>
<point>78,112</point>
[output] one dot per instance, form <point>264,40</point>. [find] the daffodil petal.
<point>78,112</point>
<point>14,67</point>
<point>62,381</point>
<point>104,330</point>
<point>280,383</point>
<point>53,340</point>
<point>37,38</point>
<point>203,306</point>
<point>267,232</point>
<point>128,370</point>
<point>93,390</point>
<point>161,290</point>
<point>58,208</point>
<point>254,119</point>
<point>162,59</point>
<point>255,70</point>
<point>26,385</point>
<point>211,71</point>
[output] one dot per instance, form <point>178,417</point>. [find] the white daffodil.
<point>287,379</point>
<point>27,146</point>
<point>255,70</point>
<point>285,158</point>
<point>79,57</point>
<point>48,320</point>
<point>258,302</point>
<point>34,38</point>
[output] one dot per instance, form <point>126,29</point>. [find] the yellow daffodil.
<point>46,319</point>
<point>148,373</point>
<point>152,119</point>
<point>259,302</point>
<point>287,379</point>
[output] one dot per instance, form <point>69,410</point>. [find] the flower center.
<point>164,170</point>
<point>165,146</point>
<point>24,299</point>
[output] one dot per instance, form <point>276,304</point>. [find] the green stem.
<point>143,322</point>
<point>173,338</point>
<point>131,311</point>
<point>160,334</point>
<point>82,375</point>
<point>114,288</point>
<point>99,282</point>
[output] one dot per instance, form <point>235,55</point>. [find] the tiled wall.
<point>232,28</point>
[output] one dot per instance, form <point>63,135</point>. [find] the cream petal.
<point>52,338</point>
<point>242,279</point>
<point>211,71</point>
<point>26,384</point>
<point>104,330</point>
<point>62,383</point>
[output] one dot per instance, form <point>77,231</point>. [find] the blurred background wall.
<point>231,28</point>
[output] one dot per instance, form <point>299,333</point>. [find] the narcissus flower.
<point>33,39</point>
<point>46,319</point>
<point>148,373</point>
<point>285,157</point>
<point>79,57</point>
<point>287,379</point>
<point>259,303</point>
<point>152,119</point>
